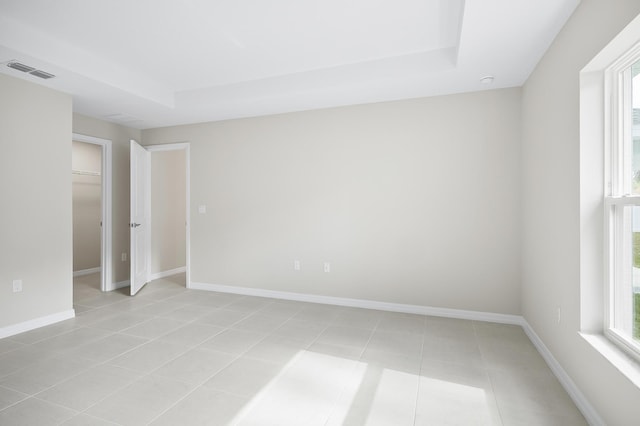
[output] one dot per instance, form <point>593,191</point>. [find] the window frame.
<point>618,196</point>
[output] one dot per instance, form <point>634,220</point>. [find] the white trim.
<point>623,342</point>
<point>599,183</point>
<point>623,42</point>
<point>120,284</point>
<point>89,271</point>
<point>616,356</point>
<point>167,273</point>
<point>168,146</point>
<point>187,151</point>
<point>21,327</point>
<point>187,154</point>
<point>581,401</point>
<point>362,303</point>
<point>107,201</point>
<point>618,279</point>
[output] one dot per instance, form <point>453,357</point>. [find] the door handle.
<point>135,225</point>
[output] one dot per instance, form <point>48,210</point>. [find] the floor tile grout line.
<point>196,387</point>
<point>73,377</point>
<point>415,408</point>
<point>26,396</point>
<point>82,370</point>
<point>118,389</point>
<point>485,368</point>
<point>174,358</point>
<point>201,384</point>
<point>76,412</point>
<point>142,374</point>
<point>50,337</point>
<point>364,348</point>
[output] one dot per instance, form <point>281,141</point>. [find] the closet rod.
<point>85,173</point>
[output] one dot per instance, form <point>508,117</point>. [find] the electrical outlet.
<point>17,286</point>
<point>327,267</point>
<point>124,257</point>
<point>296,265</point>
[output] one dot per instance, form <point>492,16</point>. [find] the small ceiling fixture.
<point>487,80</point>
<point>31,70</point>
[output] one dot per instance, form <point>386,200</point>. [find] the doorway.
<point>91,186</point>
<point>168,213</point>
<point>160,238</point>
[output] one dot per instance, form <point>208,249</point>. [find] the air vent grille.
<point>20,67</point>
<point>42,74</point>
<point>31,70</point>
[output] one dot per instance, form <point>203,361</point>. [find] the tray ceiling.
<point>149,63</point>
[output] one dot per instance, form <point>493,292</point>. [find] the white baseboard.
<point>587,410</point>
<point>86,271</point>
<point>115,286</point>
<point>583,404</point>
<point>36,323</point>
<point>127,283</point>
<point>168,273</point>
<point>362,303</point>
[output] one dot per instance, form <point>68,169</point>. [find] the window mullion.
<point>626,132</point>
<point>623,307</point>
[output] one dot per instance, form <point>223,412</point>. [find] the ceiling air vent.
<point>42,74</point>
<point>31,70</point>
<point>20,67</point>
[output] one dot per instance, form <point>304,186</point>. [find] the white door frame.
<point>187,150</point>
<point>106,234</point>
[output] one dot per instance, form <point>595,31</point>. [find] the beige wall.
<point>551,206</point>
<point>87,203</point>
<point>120,136</point>
<point>35,184</point>
<point>168,210</point>
<point>411,202</point>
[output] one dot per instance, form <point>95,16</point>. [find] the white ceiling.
<point>153,63</point>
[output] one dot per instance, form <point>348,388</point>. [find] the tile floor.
<point>171,356</point>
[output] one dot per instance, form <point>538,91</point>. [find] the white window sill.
<point>628,366</point>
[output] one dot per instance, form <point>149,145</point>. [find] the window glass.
<point>635,288</point>
<point>635,132</point>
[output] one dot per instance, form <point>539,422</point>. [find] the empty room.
<point>419,212</point>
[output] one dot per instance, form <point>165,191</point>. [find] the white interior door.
<point>140,214</point>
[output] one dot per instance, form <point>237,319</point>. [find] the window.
<point>622,203</point>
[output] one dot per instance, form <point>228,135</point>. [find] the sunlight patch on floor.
<point>313,386</point>
<point>305,391</point>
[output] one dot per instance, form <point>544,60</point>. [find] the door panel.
<point>140,213</point>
